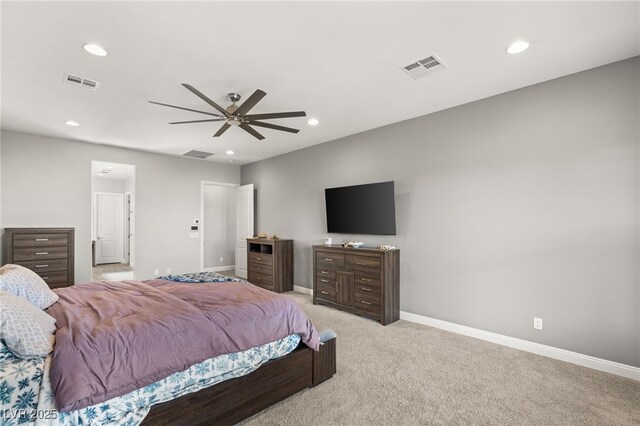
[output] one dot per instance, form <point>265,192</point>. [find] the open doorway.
<point>218,227</point>
<point>112,221</point>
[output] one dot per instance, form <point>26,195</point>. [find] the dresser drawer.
<point>260,268</point>
<point>53,278</point>
<point>367,280</point>
<point>326,292</point>
<point>261,279</point>
<point>366,264</point>
<point>37,253</point>
<point>45,265</point>
<point>40,240</point>
<point>328,259</point>
<point>327,274</point>
<point>265,259</point>
<point>367,290</point>
<point>367,303</point>
<point>322,280</point>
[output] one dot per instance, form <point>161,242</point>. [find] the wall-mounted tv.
<point>361,209</point>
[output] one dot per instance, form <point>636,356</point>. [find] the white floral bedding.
<point>26,397</point>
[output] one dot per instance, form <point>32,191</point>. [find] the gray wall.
<point>47,182</point>
<point>520,205</point>
<point>109,185</point>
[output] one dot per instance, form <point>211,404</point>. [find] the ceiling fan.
<point>235,115</point>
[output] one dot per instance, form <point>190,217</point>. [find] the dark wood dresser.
<point>364,281</point>
<point>47,251</point>
<point>270,263</point>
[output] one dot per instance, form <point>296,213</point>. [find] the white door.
<point>109,228</point>
<point>245,227</point>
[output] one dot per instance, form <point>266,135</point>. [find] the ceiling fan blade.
<point>273,126</point>
<point>250,102</point>
<point>204,98</point>
<point>186,109</point>
<point>222,129</point>
<point>276,115</point>
<point>197,121</point>
<point>249,129</point>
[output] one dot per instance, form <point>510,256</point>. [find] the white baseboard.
<point>219,268</point>
<point>599,364</point>
<point>304,290</point>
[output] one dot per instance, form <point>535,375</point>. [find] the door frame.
<point>204,183</point>
<point>129,199</point>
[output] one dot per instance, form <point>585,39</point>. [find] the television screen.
<point>361,209</point>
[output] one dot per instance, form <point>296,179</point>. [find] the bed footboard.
<point>236,399</point>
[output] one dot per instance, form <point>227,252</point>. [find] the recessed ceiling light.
<point>517,46</point>
<point>313,122</point>
<point>94,49</point>
<point>231,161</point>
<point>72,123</point>
<point>229,152</point>
<point>101,174</point>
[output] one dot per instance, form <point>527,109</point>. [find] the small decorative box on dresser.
<point>47,251</point>
<point>270,263</point>
<point>364,281</point>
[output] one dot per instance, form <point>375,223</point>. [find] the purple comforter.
<point>113,338</point>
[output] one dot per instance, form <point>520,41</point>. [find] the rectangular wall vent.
<point>197,154</point>
<point>81,81</point>
<point>424,67</point>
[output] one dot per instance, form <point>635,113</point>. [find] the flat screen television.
<point>361,209</point>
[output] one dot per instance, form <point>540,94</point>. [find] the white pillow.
<point>23,282</point>
<point>26,330</point>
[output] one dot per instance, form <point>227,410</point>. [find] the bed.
<point>231,379</point>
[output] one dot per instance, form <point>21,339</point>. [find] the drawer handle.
<point>42,253</point>
<point>365,302</point>
<point>365,289</point>
<point>361,263</point>
<point>42,239</point>
<point>324,272</point>
<point>323,292</point>
<point>366,280</point>
<point>258,258</point>
<point>258,268</point>
<point>45,278</point>
<point>325,281</point>
<point>328,259</point>
<point>42,266</point>
<point>260,278</point>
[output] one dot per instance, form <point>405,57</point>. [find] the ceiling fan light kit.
<point>235,115</point>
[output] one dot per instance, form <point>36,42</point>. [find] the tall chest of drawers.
<point>363,281</point>
<point>270,263</point>
<point>47,251</point>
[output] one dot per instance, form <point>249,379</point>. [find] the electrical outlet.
<point>537,323</point>
<point>156,272</point>
<point>221,259</point>
<point>168,270</point>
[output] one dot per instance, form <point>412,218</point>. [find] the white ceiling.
<point>337,61</point>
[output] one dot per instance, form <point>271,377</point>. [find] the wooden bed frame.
<point>233,400</point>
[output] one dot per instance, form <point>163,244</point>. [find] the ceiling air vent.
<point>424,67</point>
<point>81,81</point>
<point>197,154</point>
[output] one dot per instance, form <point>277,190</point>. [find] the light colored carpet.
<point>411,374</point>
